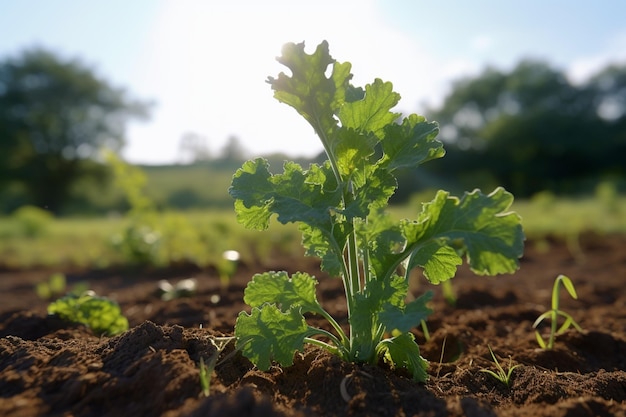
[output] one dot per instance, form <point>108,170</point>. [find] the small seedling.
<point>102,315</point>
<point>206,368</point>
<point>54,287</point>
<point>448,293</point>
<point>183,288</point>
<point>554,313</point>
<point>205,377</point>
<point>500,375</point>
<point>228,266</point>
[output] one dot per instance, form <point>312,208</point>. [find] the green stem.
<point>554,314</point>
<point>319,130</point>
<point>335,350</point>
<point>353,259</point>
<point>344,339</point>
<point>425,330</point>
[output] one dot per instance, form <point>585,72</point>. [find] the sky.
<point>204,63</point>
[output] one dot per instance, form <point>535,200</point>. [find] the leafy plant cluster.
<point>339,208</point>
<point>152,237</point>
<point>31,221</point>
<point>102,315</point>
<point>53,287</point>
<point>500,374</point>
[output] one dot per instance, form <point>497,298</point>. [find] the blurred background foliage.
<point>529,129</point>
<point>532,130</point>
<point>55,115</point>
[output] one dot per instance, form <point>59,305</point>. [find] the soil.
<point>52,368</point>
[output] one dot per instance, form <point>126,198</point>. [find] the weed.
<point>500,374</point>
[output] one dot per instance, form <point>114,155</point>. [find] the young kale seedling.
<point>338,207</point>
<point>55,286</point>
<point>102,315</point>
<point>554,313</point>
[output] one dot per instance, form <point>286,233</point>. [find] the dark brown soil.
<point>48,367</point>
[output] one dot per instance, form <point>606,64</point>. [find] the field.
<point>48,367</point>
<point>79,243</point>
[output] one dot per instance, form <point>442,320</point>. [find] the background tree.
<point>55,115</point>
<point>233,150</point>
<point>531,129</point>
<point>193,148</point>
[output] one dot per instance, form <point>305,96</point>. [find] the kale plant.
<point>338,206</point>
<point>101,314</point>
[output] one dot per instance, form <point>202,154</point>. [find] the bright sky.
<point>204,62</point>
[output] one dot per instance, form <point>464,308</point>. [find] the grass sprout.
<point>554,313</point>
<point>501,375</point>
<point>207,368</point>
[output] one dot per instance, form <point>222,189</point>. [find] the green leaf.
<point>286,292</point>
<point>269,334</point>
<point>438,261</point>
<point>251,183</point>
<point>315,96</point>
<point>295,195</point>
<point>402,351</point>
<point>410,144</point>
<point>372,192</point>
<point>372,113</point>
<point>255,217</point>
<point>404,318</point>
<point>326,243</point>
<point>252,190</point>
<point>569,286</point>
<point>352,150</point>
<point>382,238</point>
<point>365,315</point>
<point>478,225</point>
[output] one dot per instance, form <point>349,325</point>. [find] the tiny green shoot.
<point>205,377</point>
<point>554,313</point>
<point>102,315</point>
<point>339,207</point>
<point>227,266</point>
<point>206,368</point>
<point>425,330</point>
<point>501,375</point>
<point>183,288</point>
<point>448,292</point>
<point>54,287</point>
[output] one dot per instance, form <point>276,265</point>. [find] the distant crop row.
<point>30,238</point>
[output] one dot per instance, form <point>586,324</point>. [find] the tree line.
<point>529,129</point>
<point>532,129</point>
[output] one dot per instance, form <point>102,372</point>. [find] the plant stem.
<point>353,259</point>
<point>344,339</point>
<point>335,350</point>
<point>554,313</point>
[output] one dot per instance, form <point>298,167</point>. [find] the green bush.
<point>31,221</point>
